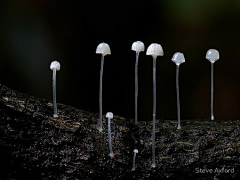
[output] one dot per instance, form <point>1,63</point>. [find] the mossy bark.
<point>33,144</point>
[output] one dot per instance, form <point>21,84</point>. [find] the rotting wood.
<point>35,145</point>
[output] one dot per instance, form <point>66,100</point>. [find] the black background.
<point>34,32</point>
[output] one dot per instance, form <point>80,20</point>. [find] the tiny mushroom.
<point>154,50</point>
<point>137,46</point>
<point>54,66</point>
<point>178,58</point>
<point>109,115</point>
<point>103,49</point>
<point>134,158</point>
<point>212,55</point>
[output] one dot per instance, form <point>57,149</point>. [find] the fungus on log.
<point>33,144</point>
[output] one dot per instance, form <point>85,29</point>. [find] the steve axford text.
<point>216,170</point>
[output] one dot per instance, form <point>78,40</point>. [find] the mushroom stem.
<point>178,99</point>
<point>134,159</point>
<point>109,138</point>
<point>178,58</point>
<point>137,46</point>
<point>154,112</point>
<point>212,69</point>
<point>136,87</point>
<point>54,66</point>
<point>212,55</point>
<point>100,94</point>
<point>54,94</point>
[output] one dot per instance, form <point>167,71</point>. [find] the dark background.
<point>34,32</point>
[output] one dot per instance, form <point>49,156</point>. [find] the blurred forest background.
<point>35,32</point>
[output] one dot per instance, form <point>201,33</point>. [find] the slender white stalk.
<point>137,46</point>
<point>135,151</point>
<point>54,66</point>
<point>154,50</point>
<point>178,99</point>
<point>154,112</point>
<point>212,68</point>
<point>134,157</point>
<point>110,116</point>
<point>212,55</point>
<point>178,58</point>
<point>100,94</point>
<point>136,87</point>
<point>55,114</point>
<point>103,49</point>
<point>110,139</point>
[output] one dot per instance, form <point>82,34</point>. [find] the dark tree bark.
<point>34,145</point>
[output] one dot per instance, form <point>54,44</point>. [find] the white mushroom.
<point>154,50</point>
<point>103,49</point>
<point>54,66</point>
<point>109,115</point>
<point>212,55</point>
<point>137,46</point>
<point>178,58</point>
<point>134,158</point>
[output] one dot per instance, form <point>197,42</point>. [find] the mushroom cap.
<point>155,50</point>
<point>109,115</point>
<point>178,58</point>
<point>135,150</point>
<point>55,65</point>
<point>212,55</point>
<point>138,46</point>
<point>103,48</point>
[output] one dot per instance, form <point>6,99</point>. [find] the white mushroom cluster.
<point>153,50</point>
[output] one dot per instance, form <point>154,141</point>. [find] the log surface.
<point>34,145</point>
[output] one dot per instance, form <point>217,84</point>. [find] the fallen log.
<point>33,144</point>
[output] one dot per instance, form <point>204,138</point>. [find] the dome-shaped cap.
<point>55,65</point>
<point>109,115</point>
<point>178,58</point>
<point>155,50</point>
<point>138,46</point>
<point>103,48</point>
<point>212,55</point>
<point>135,150</point>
